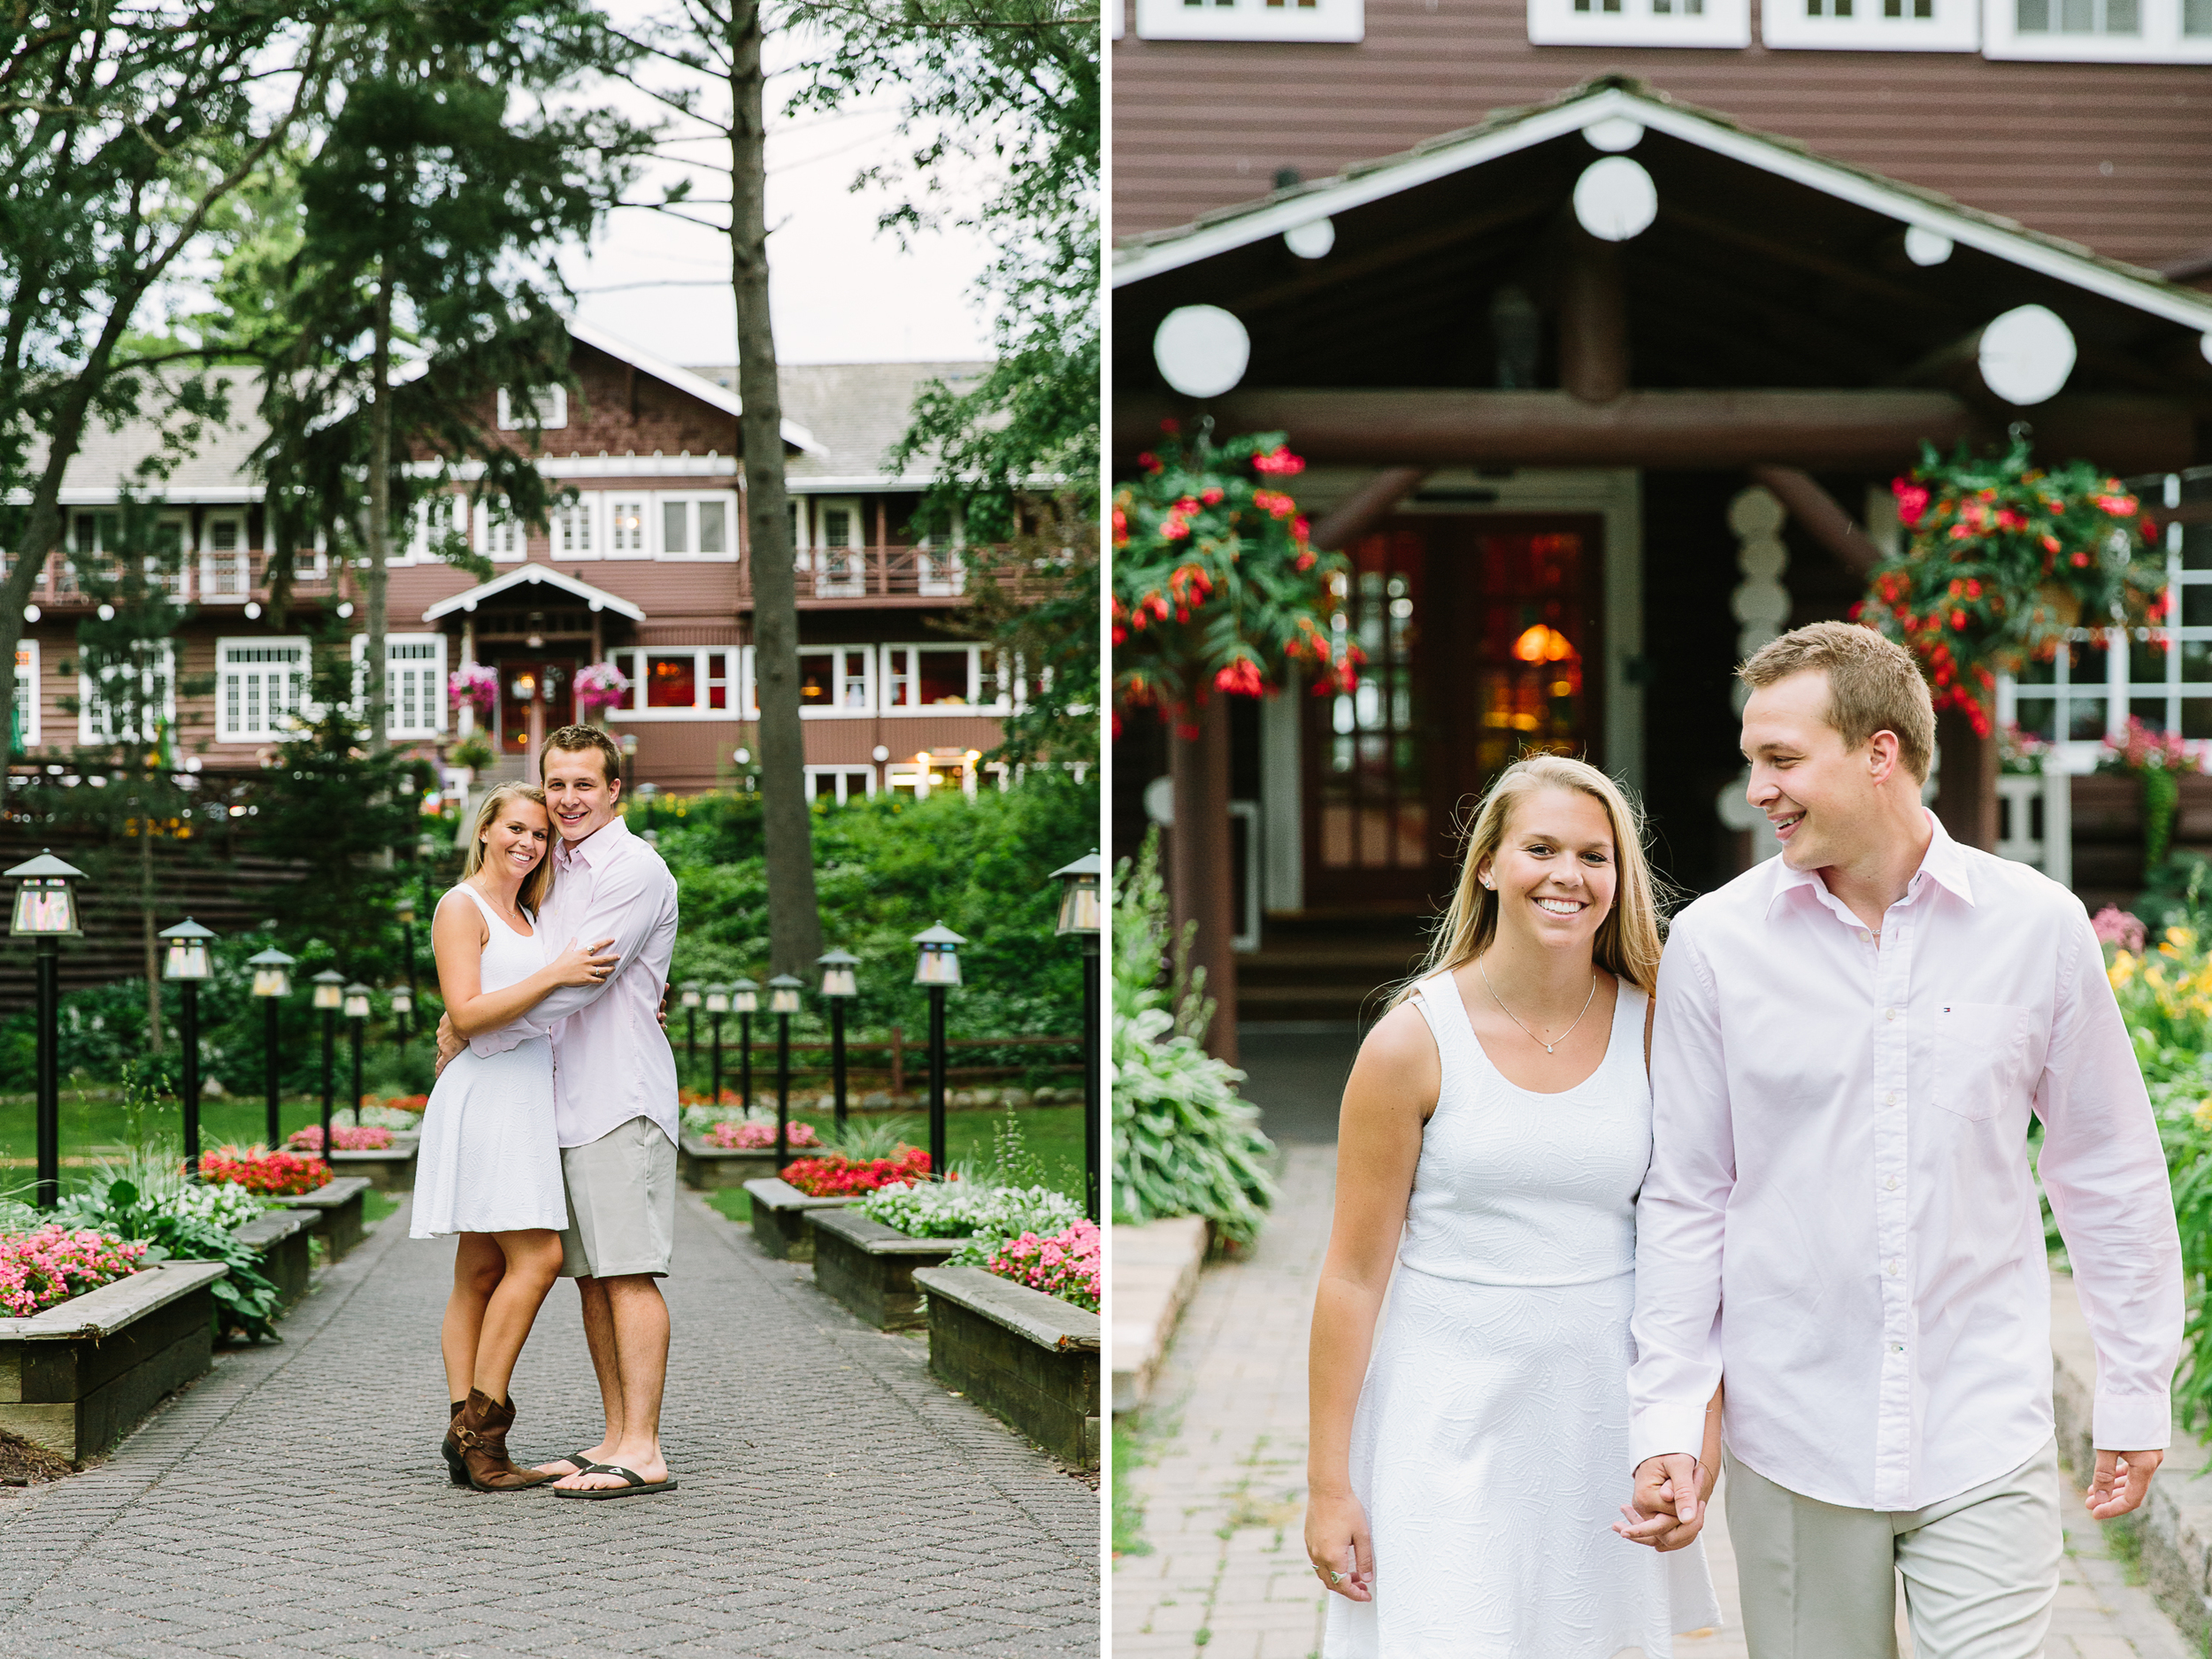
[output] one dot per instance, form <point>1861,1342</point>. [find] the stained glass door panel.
<point>1531,626</point>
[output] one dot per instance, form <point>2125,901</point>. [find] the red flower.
<point>1240,679</point>
<point>1912,501</point>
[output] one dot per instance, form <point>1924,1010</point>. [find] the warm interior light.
<point>330,990</point>
<point>1544,644</point>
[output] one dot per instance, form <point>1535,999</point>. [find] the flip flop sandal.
<point>582,1462</point>
<point>635,1485</point>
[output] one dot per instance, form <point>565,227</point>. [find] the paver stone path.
<point>832,1498</point>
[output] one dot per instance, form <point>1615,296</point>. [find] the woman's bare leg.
<point>478,1267</point>
<point>533,1257</point>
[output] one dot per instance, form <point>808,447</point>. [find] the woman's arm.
<point>458,935</point>
<point>1393,1088</point>
<point>1709,1457</point>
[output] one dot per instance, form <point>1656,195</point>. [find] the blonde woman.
<point>1465,1460</point>
<point>490,1167</point>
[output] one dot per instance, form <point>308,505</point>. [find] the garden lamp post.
<point>687,998</point>
<point>783,1002</point>
<point>330,996</point>
<point>357,1013</point>
<point>427,856</point>
<point>403,1007</point>
<point>937,965</point>
<point>745,998</point>
<point>271,984</point>
<point>46,908</point>
<point>717,1006</point>
<point>1078,914</point>
<point>839,986</point>
<point>187,963</point>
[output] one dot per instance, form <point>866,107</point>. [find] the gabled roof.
<point>683,380</point>
<point>533,576</point>
<point>1620,98</point>
<point>857,410</point>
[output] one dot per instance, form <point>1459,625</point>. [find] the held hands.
<point>1656,1514</point>
<point>450,1043</point>
<point>577,965</point>
<point>2123,1481</point>
<point>666,988</point>
<point>1339,1546</point>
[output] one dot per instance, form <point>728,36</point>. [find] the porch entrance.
<point>536,695</point>
<point>1477,630</point>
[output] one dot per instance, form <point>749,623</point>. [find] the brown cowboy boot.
<point>451,1449</point>
<point>481,1430</point>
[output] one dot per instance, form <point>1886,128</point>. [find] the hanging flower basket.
<point>1215,587</point>
<point>474,683</point>
<point>2004,558</point>
<point>601,686</point>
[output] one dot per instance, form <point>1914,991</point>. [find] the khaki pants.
<point>1819,1581</point>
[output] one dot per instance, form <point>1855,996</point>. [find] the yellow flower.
<point>2181,939</point>
<point>2202,1114</point>
<point>2122,972</point>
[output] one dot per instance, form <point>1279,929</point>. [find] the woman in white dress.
<point>489,1166</point>
<point>1466,1459</point>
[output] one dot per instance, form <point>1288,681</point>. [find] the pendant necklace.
<point>1526,1032</point>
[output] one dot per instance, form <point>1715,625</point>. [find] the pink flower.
<point>2115,926</point>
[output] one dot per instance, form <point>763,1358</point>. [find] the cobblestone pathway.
<point>833,1499</point>
<point>1224,1483</point>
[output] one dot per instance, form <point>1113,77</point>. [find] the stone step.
<point>1154,1273</point>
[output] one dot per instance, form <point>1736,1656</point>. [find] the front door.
<point>1477,631</point>
<point>536,695</point>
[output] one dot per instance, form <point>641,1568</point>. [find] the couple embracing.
<point>1763,1203</point>
<point>549,1143</point>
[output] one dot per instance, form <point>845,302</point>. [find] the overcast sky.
<point>840,292</point>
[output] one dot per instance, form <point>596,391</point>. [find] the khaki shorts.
<point>621,1203</point>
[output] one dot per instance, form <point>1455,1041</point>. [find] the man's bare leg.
<point>591,1296</point>
<point>639,1322</point>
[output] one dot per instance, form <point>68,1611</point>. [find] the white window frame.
<point>210,588</point>
<point>422,519</point>
<point>569,520</point>
<point>89,735</point>
<point>513,545</point>
<point>841,680</point>
<point>1251,20</point>
<point>837,577</point>
<point>690,502</point>
<point>273,726</point>
<point>552,410</point>
<point>1952,26</point>
<point>414,663</point>
<point>632,661</point>
<point>889,680</point>
<point>2158,39</point>
<point>642,548</point>
<point>844,776</point>
<point>1717,23</point>
<point>27,686</point>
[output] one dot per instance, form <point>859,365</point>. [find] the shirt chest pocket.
<point>1980,1057</point>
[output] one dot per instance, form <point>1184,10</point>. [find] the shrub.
<point>170,1228</point>
<point>51,1263</point>
<point>836,1175</point>
<point>1066,1265</point>
<point>373,1139</point>
<point>258,1170</point>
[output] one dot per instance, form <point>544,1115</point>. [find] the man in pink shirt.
<point>614,1086</point>
<point>1840,1219</point>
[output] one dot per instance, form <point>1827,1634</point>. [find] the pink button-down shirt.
<point>611,1060</point>
<point>1839,1213</point>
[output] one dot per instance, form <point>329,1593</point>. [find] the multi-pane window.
<point>414,684</point>
<point>225,570</point>
<point>698,527</point>
<point>2108,31</point>
<point>626,528</point>
<point>1251,20</point>
<point>27,710</point>
<point>1911,25</point>
<point>499,534</point>
<point>261,688</point>
<point>839,560</point>
<point>130,704</point>
<point>679,682</point>
<point>836,681</point>
<point>571,529</point>
<point>1643,22</point>
<point>840,784</point>
<point>550,407</point>
<point>940,677</point>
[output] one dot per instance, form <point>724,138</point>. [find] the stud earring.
<point>1488,883</point>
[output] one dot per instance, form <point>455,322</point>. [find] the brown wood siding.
<point>615,409</point>
<point>1200,125</point>
<point>693,755</point>
<point>667,590</point>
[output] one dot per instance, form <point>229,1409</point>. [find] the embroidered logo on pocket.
<point>1979,1057</point>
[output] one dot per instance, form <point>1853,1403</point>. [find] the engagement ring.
<point>1336,1577</point>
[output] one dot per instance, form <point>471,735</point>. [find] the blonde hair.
<point>1628,939</point>
<point>1873,686</point>
<point>539,882</point>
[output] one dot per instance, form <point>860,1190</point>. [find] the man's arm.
<point>2105,1175</point>
<point>627,905</point>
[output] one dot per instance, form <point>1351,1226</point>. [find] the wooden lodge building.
<point>1617,318</point>
<point>646,567</point>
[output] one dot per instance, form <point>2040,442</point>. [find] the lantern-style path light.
<point>687,997</point>
<point>356,1009</point>
<point>426,857</point>
<point>403,996</point>
<point>187,963</point>
<point>745,998</point>
<point>46,910</point>
<point>840,985</point>
<point>271,984</point>
<point>402,1004</point>
<point>1079,916</point>
<point>783,1002</point>
<point>937,965</point>
<point>717,1006</point>
<point>330,996</point>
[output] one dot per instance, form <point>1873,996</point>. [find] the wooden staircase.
<point>1333,968</point>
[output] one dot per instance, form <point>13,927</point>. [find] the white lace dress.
<point>491,1161</point>
<point>1490,1449</point>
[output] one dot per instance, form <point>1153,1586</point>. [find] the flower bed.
<point>752,1135</point>
<point>372,1138</point>
<point>393,1111</point>
<point>257,1170</point>
<point>986,1216</point>
<point>1067,1264</point>
<point>836,1175</point>
<point>51,1263</point>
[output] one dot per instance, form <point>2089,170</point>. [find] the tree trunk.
<point>380,517</point>
<point>1966,788</point>
<point>794,923</point>
<point>1199,885</point>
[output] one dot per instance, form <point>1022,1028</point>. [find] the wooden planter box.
<point>869,1267</point>
<point>280,1239</point>
<point>708,1167</point>
<point>336,1210</point>
<point>78,1377</point>
<point>783,1218</point>
<point>1029,1359</point>
<point>391,1170</point>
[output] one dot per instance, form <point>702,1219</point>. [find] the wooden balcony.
<point>212,578</point>
<point>878,577</point>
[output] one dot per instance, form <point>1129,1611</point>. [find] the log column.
<point>1198,863</point>
<point>1966,788</point>
<point>1592,321</point>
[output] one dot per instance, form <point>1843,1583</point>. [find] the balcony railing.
<point>213,579</point>
<point>873,575</point>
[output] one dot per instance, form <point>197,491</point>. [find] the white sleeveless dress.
<point>491,1161</point>
<point>1490,1449</point>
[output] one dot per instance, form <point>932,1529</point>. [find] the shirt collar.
<point>1944,863</point>
<point>600,845</point>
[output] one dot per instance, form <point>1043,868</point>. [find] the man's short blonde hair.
<point>1873,686</point>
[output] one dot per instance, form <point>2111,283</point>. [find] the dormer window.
<point>552,410</point>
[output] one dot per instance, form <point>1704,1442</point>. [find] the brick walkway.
<point>1224,1486</point>
<point>832,1499</point>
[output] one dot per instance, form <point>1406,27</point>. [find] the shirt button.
<point>1889,1013</point>
<point>1890,1099</point>
<point>1863,934</point>
<point>1891,1183</point>
<point>1896,1268</point>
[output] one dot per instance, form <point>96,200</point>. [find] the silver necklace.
<point>1526,1032</point>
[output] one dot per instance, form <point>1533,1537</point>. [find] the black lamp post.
<point>358,1015</point>
<point>271,984</point>
<point>402,1004</point>
<point>839,986</point>
<point>427,856</point>
<point>330,996</point>
<point>717,1006</point>
<point>187,963</point>
<point>688,999</point>
<point>745,998</point>
<point>1078,914</point>
<point>783,1002</point>
<point>46,908</point>
<point>937,966</point>
<point>403,996</point>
